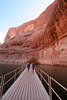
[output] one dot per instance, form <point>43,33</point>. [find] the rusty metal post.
<point>41,76</point>
<point>0,92</point>
<point>1,87</point>
<point>15,76</point>
<point>3,80</point>
<point>19,72</point>
<point>22,69</point>
<point>50,91</point>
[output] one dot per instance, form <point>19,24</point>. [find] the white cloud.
<point>2,37</point>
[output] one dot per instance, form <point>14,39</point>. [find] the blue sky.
<point>16,12</point>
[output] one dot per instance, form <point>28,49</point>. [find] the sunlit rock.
<point>43,40</point>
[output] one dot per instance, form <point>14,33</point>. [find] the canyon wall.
<point>43,40</point>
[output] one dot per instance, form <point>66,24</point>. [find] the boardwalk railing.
<point>41,74</point>
<point>8,77</point>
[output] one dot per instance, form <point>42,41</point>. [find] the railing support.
<point>1,87</point>
<point>15,76</point>
<point>19,72</point>
<point>50,91</point>
<point>50,79</point>
<point>2,78</point>
<point>41,76</point>
<point>22,69</point>
<point>0,92</point>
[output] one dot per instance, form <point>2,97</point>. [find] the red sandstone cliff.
<point>43,40</point>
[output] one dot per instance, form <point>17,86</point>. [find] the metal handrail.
<point>12,71</point>
<point>59,84</point>
<point>56,93</point>
<point>42,71</point>
<point>1,77</point>
<point>11,78</point>
<point>49,83</point>
<point>43,78</point>
<point>9,73</point>
<point>8,80</point>
<point>3,83</point>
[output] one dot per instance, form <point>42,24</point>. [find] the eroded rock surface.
<point>43,40</point>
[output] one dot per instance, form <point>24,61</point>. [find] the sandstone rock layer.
<point>43,40</point>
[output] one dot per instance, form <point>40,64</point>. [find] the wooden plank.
<point>22,88</point>
<point>27,87</point>
<point>21,92</point>
<point>31,86</point>
<point>38,89</point>
<point>44,93</point>
<point>18,92</point>
<point>10,92</point>
<point>14,90</point>
<point>15,94</point>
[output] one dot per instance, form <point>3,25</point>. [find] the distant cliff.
<point>43,40</point>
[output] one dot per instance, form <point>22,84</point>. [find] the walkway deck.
<point>26,87</point>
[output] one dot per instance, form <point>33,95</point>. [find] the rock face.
<point>43,40</point>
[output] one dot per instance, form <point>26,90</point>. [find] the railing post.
<point>19,72</point>
<point>0,92</point>
<point>50,91</point>
<point>15,76</point>
<point>41,76</point>
<point>38,71</point>
<point>22,69</point>
<point>1,87</point>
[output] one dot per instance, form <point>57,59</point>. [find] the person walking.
<point>28,66</point>
<point>33,67</point>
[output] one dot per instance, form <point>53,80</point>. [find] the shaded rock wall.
<point>55,55</point>
<point>43,40</point>
<point>55,37</point>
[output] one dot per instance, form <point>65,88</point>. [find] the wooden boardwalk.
<point>26,87</point>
